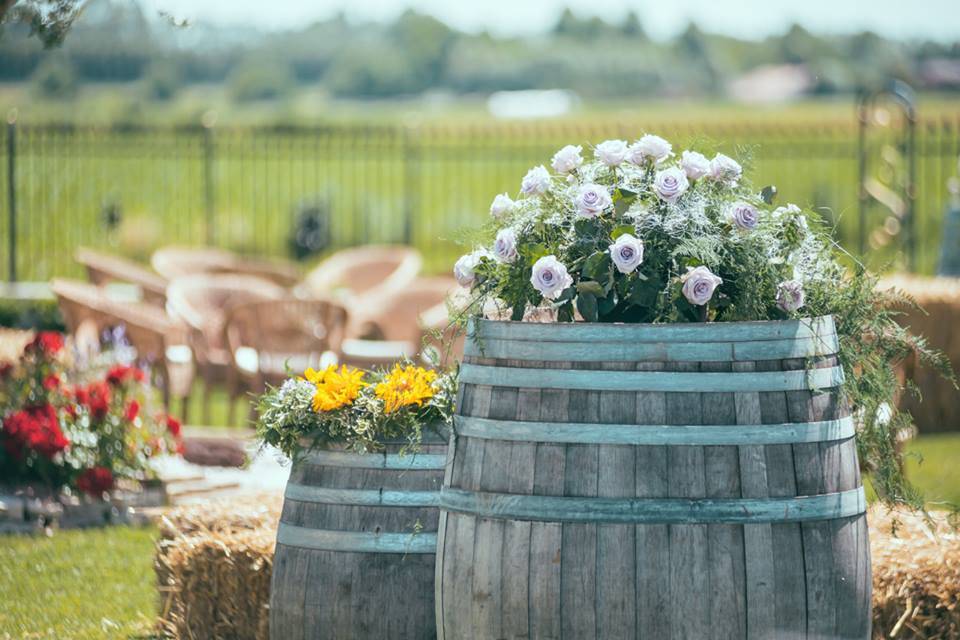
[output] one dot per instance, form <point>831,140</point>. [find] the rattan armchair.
<point>363,274</point>
<point>103,268</point>
<point>202,302</point>
<point>175,262</point>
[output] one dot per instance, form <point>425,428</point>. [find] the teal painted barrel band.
<point>367,497</point>
<point>412,461</point>
<point>652,351</point>
<point>506,506</point>
<point>602,380</point>
<point>356,541</point>
<point>591,433</point>
<point>592,332</point>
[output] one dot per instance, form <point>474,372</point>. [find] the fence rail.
<point>131,189</point>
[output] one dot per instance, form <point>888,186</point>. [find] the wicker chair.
<point>270,338</point>
<point>202,303</point>
<point>175,262</point>
<point>157,338</point>
<point>361,274</point>
<point>103,268</point>
<point>395,326</point>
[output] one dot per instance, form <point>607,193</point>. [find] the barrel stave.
<point>715,580</point>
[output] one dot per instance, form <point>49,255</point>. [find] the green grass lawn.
<point>81,584</point>
<point>99,583</point>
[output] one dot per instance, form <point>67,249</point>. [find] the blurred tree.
<point>257,79</point>
<point>49,20</point>
<point>162,80</point>
<point>631,26</point>
<point>55,78</point>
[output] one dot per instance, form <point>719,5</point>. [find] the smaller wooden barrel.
<point>356,545</point>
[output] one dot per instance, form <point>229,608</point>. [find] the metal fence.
<point>132,189</point>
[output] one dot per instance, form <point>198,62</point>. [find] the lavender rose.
<point>725,169</point>
<point>743,215</point>
<point>465,268</point>
<point>699,284</point>
<point>592,200</point>
<point>790,295</point>
<point>694,164</point>
<point>670,184</point>
<point>567,159</point>
<point>505,246</point>
<point>550,277</point>
<point>626,253</point>
<point>501,204</point>
<point>611,152</point>
<point>649,148</point>
<point>536,182</point>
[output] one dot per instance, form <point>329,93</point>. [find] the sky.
<point>927,19</point>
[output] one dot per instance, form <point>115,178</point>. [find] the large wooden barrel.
<point>356,545</point>
<point>652,481</point>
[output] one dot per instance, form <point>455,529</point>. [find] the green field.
<point>375,167</point>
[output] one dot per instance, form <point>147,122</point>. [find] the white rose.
<point>592,200</point>
<point>611,152</point>
<point>465,268</point>
<point>501,204</point>
<point>699,284</point>
<point>567,159</point>
<point>505,246</point>
<point>650,147</point>
<point>550,277</point>
<point>694,164</point>
<point>536,182</point>
<point>725,169</point>
<point>626,253</point>
<point>790,295</point>
<point>743,215</point>
<point>670,184</point>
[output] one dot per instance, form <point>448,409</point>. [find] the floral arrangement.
<point>63,431</point>
<point>637,233</point>
<point>355,409</point>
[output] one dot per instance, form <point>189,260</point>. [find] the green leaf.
<point>597,266</point>
<point>586,227</point>
<point>587,306</point>
<point>606,305</point>
<point>622,229</point>
<point>622,199</point>
<point>591,287</point>
<point>642,293</point>
<point>534,252</point>
<point>565,313</point>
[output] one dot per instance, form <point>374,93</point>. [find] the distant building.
<point>771,84</point>
<point>940,73</point>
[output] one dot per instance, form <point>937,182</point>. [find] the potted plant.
<point>356,541</point>
<point>670,380</point>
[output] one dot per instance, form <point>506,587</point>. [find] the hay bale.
<point>916,576</point>
<point>940,298</point>
<point>214,563</point>
<point>213,566</point>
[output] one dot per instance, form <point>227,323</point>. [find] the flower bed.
<point>73,432</point>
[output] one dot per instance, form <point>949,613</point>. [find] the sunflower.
<point>405,386</point>
<point>335,389</point>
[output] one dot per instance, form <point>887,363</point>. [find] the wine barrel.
<point>652,481</point>
<point>356,544</point>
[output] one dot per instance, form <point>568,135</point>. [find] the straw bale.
<point>213,566</point>
<point>940,324</point>
<point>916,576</point>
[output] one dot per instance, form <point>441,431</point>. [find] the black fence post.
<point>12,195</point>
<point>411,159</point>
<point>208,184</point>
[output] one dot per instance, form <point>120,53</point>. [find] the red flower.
<point>51,382</point>
<point>48,343</point>
<point>118,374</point>
<point>97,398</point>
<point>173,426</point>
<point>95,481</point>
<point>37,429</point>
<point>133,410</point>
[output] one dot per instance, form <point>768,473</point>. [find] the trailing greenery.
<point>40,315</point>
<point>355,409</point>
<point>635,235</point>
